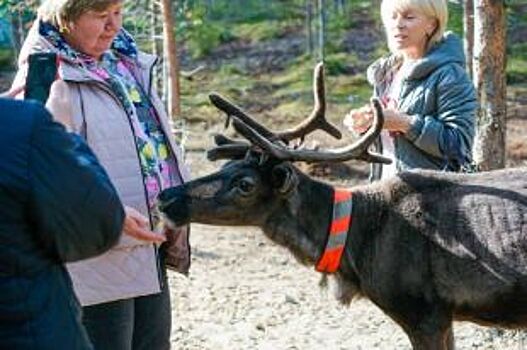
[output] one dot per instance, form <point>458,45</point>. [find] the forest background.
<point>260,54</point>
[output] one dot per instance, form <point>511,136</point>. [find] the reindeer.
<point>426,247</point>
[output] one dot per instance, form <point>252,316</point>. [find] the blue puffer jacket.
<point>437,92</point>
<point>56,205</point>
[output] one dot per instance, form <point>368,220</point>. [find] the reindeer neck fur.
<point>370,207</point>
<point>300,223</point>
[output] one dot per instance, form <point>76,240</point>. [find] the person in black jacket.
<point>57,205</point>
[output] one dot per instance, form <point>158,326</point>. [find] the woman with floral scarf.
<point>108,83</point>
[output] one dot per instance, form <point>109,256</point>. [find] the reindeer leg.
<point>421,341</point>
<point>442,339</point>
<point>450,339</point>
<point>430,330</point>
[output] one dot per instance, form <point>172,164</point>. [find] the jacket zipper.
<point>174,154</point>
<point>156,251</point>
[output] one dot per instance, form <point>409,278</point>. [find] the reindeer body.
<point>426,247</point>
<point>430,247</point>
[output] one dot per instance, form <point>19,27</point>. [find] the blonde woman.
<point>124,292</point>
<point>429,101</point>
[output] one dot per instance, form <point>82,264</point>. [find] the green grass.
<point>260,31</point>
<point>291,90</point>
<point>206,36</point>
<point>228,81</point>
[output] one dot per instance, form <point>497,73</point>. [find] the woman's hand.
<point>13,92</point>
<point>59,105</point>
<point>396,121</point>
<point>359,120</point>
<point>136,225</point>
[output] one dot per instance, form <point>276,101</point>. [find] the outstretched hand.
<point>136,225</point>
<point>359,120</point>
<point>13,92</point>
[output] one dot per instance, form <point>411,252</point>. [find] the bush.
<point>341,63</point>
<point>256,32</point>
<point>517,63</point>
<point>455,18</point>
<point>7,59</point>
<point>206,36</point>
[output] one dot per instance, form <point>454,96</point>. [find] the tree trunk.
<point>489,79</point>
<point>309,26</point>
<point>169,42</point>
<point>338,6</point>
<point>157,47</point>
<point>468,26</point>
<point>321,29</point>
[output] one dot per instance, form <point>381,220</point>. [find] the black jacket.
<point>56,205</point>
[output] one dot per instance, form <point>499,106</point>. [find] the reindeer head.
<point>260,180</point>
<point>239,194</point>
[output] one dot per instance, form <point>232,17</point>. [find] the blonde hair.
<point>436,9</point>
<point>61,12</point>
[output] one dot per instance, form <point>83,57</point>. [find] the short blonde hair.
<point>61,12</point>
<point>436,9</point>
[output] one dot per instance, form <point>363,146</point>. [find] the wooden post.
<point>170,48</point>
<point>468,27</point>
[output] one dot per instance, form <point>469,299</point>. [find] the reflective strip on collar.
<point>329,262</point>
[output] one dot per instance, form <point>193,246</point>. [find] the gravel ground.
<point>244,292</point>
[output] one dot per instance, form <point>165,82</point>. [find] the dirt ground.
<point>244,292</point>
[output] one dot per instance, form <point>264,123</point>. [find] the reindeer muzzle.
<point>172,202</point>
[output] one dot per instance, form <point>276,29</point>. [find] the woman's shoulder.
<point>451,73</point>
<point>380,68</point>
<point>146,59</point>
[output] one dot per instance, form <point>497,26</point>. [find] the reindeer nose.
<point>173,206</point>
<point>165,198</point>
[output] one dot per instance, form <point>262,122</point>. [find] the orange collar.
<point>329,262</point>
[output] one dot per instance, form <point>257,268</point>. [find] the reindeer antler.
<point>227,148</point>
<point>358,150</point>
<point>275,143</point>
<point>234,111</point>
<point>317,118</point>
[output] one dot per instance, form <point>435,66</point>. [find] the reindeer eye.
<point>246,185</point>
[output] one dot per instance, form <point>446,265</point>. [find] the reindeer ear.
<point>285,179</point>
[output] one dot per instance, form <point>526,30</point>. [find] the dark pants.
<point>141,323</point>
